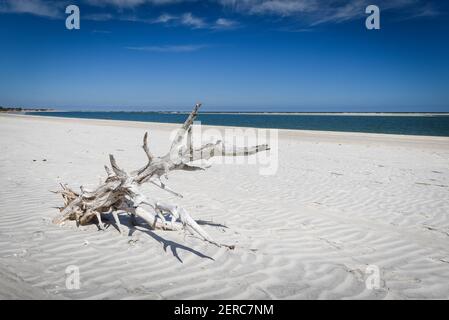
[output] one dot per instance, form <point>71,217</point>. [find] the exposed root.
<point>121,190</point>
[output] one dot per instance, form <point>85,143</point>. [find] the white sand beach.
<point>338,203</point>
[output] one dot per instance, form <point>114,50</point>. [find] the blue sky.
<point>247,55</point>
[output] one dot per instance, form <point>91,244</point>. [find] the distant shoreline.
<point>397,114</point>
<point>25,110</point>
<point>429,124</point>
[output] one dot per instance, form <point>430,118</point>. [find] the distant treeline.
<point>10,109</point>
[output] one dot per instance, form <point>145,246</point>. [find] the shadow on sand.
<point>127,221</point>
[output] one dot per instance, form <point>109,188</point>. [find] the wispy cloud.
<point>130,3</point>
<point>308,12</point>
<point>425,11</point>
<point>314,12</point>
<point>99,16</point>
<point>222,23</point>
<point>275,7</point>
<point>194,22</point>
<point>47,9</point>
<point>169,48</point>
<point>165,18</point>
<point>188,19</point>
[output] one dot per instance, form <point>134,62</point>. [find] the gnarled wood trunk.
<point>121,190</point>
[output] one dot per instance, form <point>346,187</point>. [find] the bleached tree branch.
<point>121,190</point>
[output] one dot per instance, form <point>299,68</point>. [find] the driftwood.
<point>121,190</point>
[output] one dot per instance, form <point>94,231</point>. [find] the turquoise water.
<point>434,125</point>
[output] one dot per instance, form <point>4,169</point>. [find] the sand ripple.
<point>338,204</point>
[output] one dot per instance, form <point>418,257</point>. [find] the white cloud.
<point>283,8</point>
<point>425,11</point>
<point>309,12</point>
<point>164,18</point>
<point>129,3</point>
<point>169,48</point>
<point>222,23</point>
<point>315,12</point>
<point>274,7</point>
<point>186,19</point>
<point>190,20</point>
<point>48,9</point>
<point>99,16</point>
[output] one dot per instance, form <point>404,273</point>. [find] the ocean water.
<point>429,125</point>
